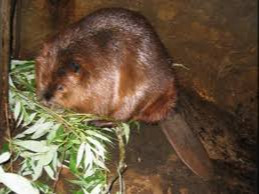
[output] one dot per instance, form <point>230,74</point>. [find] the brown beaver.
<point>113,63</point>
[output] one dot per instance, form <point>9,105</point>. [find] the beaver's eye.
<point>74,66</point>
<point>60,88</point>
<point>61,72</point>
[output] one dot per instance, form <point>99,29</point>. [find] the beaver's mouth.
<point>54,107</point>
<point>51,104</point>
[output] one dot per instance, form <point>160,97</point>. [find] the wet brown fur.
<point>125,71</point>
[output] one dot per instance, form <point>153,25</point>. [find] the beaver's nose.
<point>47,98</point>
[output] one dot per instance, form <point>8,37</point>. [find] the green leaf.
<point>97,144</point>
<point>101,164</point>
<point>21,135</point>
<point>5,147</point>
<point>126,130</point>
<point>53,133</point>
<point>85,191</point>
<point>35,146</point>
<point>26,154</point>
<point>42,130</point>
<point>79,192</point>
<point>26,173</point>
<point>17,183</point>
<point>46,157</point>
<point>5,157</point>
<point>80,154</point>
<point>34,127</point>
<point>50,172</point>
<point>55,162</point>
<point>98,135</point>
<point>97,189</point>
<point>30,119</point>
<point>89,158</point>
<point>17,110</point>
<point>72,162</point>
<point>60,131</point>
<point>21,118</point>
<point>37,171</point>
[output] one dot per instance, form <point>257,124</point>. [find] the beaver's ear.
<point>75,67</point>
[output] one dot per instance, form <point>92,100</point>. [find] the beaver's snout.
<point>46,98</point>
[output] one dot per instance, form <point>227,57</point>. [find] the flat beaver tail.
<point>187,145</point>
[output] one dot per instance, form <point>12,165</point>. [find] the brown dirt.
<point>154,167</point>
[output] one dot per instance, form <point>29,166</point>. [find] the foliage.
<point>54,139</point>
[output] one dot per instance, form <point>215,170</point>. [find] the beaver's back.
<point>125,69</point>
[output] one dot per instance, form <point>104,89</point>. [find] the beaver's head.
<point>60,77</point>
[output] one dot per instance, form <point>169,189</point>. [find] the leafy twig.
<point>50,137</point>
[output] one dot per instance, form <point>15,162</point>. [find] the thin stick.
<point>109,188</point>
<point>121,167</point>
<point>122,158</point>
<point>59,171</point>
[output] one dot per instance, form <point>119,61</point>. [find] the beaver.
<point>113,63</point>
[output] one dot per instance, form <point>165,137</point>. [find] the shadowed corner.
<point>187,145</point>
